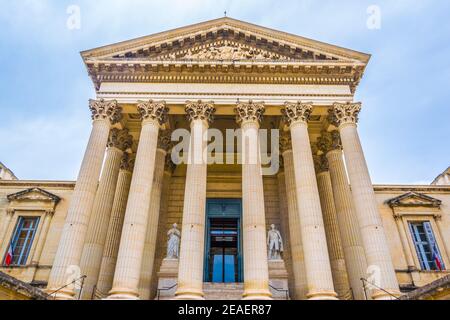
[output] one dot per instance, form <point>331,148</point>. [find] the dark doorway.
<point>223,262</point>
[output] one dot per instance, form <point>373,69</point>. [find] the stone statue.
<point>173,243</point>
<point>275,244</point>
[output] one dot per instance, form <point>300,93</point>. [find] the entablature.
<point>225,51</point>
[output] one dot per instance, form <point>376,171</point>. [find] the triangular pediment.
<point>248,41</point>
<point>222,50</point>
<point>34,194</point>
<point>413,199</point>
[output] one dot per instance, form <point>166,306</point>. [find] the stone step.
<point>223,291</point>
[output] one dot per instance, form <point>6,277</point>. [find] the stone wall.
<point>227,184</point>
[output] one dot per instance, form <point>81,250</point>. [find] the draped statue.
<point>275,244</point>
<point>173,243</point>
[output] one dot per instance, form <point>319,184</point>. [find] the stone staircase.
<point>223,291</point>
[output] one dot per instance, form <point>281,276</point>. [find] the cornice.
<point>37,184</point>
<point>408,188</point>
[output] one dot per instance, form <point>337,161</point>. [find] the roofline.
<point>447,171</point>
<point>364,57</point>
<point>9,170</point>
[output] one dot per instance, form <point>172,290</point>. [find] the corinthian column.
<point>153,220</point>
<point>108,265</point>
<point>338,267</point>
<point>104,113</point>
<point>355,258</point>
<point>119,142</point>
<point>298,259</point>
<point>317,261</point>
<point>345,117</point>
<point>131,250</point>
<point>190,274</point>
<point>256,270</point>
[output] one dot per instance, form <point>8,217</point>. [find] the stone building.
<point>443,179</point>
<point>5,173</point>
<point>140,223</point>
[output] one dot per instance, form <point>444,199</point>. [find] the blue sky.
<point>44,87</point>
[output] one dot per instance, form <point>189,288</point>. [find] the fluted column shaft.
<point>337,260</point>
<point>317,261</point>
<point>131,250</point>
<point>374,238</point>
<point>190,276</point>
<point>76,223</point>
<point>256,269</point>
<point>152,227</point>
<point>98,224</point>
<point>298,259</point>
<point>354,254</point>
<point>112,243</point>
<point>254,222</point>
<point>192,249</point>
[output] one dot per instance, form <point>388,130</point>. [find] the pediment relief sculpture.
<point>224,51</point>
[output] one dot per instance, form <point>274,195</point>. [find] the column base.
<point>195,296</point>
<point>189,297</point>
<point>257,295</point>
<point>125,294</point>
<point>322,295</point>
<point>190,294</point>
<point>381,295</point>
<point>62,295</point>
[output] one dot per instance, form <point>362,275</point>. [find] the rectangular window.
<point>22,240</point>
<point>427,249</point>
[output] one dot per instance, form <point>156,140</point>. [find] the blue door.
<point>223,258</point>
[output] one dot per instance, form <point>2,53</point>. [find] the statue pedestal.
<point>278,280</point>
<point>167,279</point>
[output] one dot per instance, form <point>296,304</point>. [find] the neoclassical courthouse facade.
<point>137,225</point>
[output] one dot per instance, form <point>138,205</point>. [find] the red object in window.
<point>9,257</point>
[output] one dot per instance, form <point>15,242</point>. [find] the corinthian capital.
<point>105,110</point>
<point>153,111</point>
<point>297,112</point>
<point>120,139</point>
<point>165,140</point>
<point>251,111</point>
<point>285,142</point>
<point>128,161</point>
<point>345,113</point>
<point>200,110</point>
<point>321,163</point>
<point>329,141</point>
